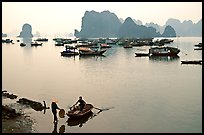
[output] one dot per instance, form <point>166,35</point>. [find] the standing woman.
<point>54,110</point>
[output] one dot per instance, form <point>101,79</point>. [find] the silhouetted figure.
<point>54,110</point>
<point>81,102</point>
<point>55,128</point>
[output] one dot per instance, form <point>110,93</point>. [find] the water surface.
<point>156,94</point>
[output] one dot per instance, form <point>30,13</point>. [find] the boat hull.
<point>164,51</point>
<point>75,121</point>
<point>141,54</point>
<point>192,62</point>
<point>75,113</point>
<point>64,53</point>
<point>92,53</point>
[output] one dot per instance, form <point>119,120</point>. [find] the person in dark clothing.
<point>54,110</point>
<point>81,102</point>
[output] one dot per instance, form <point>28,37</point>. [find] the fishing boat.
<point>7,41</point>
<point>163,51</point>
<point>36,44</point>
<point>198,48</point>
<point>198,45</point>
<point>57,43</point>
<point>41,39</point>
<point>89,51</point>
<point>76,113</point>
<point>69,51</point>
<point>105,46</point>
<point>191,62</point>
<point>22,44</point>
<point>72,121</point>
<point>140,54</point>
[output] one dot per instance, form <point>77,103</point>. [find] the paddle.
<point>98,108</point>
<point>104,109</point>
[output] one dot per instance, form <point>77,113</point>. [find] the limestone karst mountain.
<point>26,31</point>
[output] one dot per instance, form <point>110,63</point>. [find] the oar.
<point>98,108</point>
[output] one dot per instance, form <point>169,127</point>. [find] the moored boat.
<point>72,121</point>
<point>164,51</point>
<point>7,40</point>
<point>22,44</point>
<point>105,46</point>
<point>69,51</point>
<point>89,51</point>
<point>127,46</point>
<point>191,62</point>
<point>36,44</point>
<point>139,54</point>
<point>41,39</point>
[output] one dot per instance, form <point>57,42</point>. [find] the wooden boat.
<point>69,51</point>
<point>72,121</point>
<point>89,51</point>
<point>7,41</point>
<point>198,45</point>
<point>76,113</point>
<point>22,44</point>
<point>164,51</point>
<point>127,46</point>
<point>198,48</point>
<point>105,46</point>
<point>41,39</point>
<point>36,44</point>
<point>59,44</point>
<point>141,54</point>
<point>191,62</point>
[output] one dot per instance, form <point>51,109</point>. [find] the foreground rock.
<point>15,122</point>
<point>8,95</point>
<point>37,106</point>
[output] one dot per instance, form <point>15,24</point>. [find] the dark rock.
<point>9,113</point>
<point>37,106</point>
<point>6,94</point>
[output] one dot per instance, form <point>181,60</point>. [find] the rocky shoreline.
<point>15,121</point>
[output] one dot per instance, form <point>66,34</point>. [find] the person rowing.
<point>81,102</point>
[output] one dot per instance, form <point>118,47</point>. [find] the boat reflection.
<point>82,120</point>
<point>164,58</point>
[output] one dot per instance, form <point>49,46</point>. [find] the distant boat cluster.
<point>101,45</point>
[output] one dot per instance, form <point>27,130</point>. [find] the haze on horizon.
<point>60,18</point>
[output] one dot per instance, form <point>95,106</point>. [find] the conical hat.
<point>54,100</point>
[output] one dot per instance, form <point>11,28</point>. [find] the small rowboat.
<point>75,122</point>
<point>76,113</point>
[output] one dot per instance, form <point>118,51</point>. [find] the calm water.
<point>141,94</point>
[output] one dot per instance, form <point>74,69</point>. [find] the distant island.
<point>26,31</point>
<point>107,24</point>
<point>4,35</point>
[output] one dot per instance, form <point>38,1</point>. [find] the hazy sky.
<point>53,18</point>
